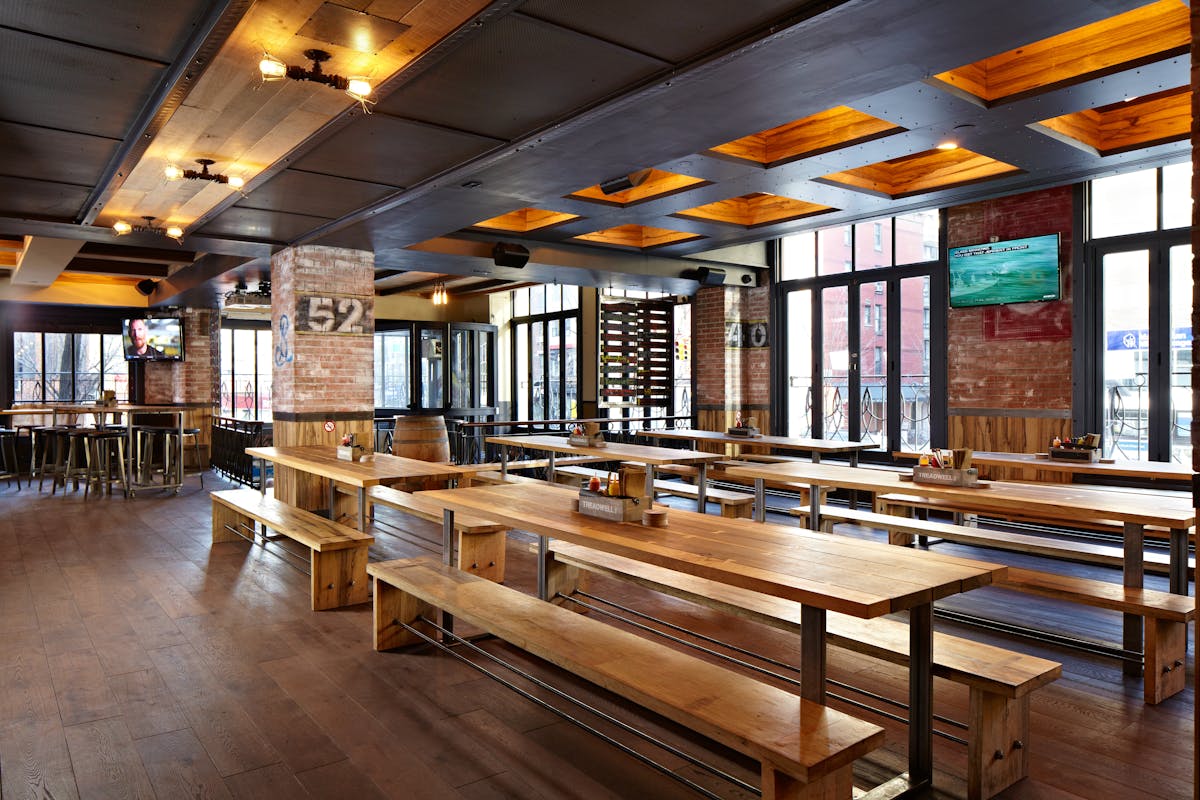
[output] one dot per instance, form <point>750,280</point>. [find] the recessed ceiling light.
<point>947,145</point>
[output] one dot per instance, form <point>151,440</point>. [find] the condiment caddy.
<point>947,468</point>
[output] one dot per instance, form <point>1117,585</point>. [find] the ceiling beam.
<point>100,266</point>
<point>43,260</point>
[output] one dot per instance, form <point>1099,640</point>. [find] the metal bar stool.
<point>49,444</point>
<point>9,468</point>
<point>194,434</point>
<point>74,465</point>
<point>103,445</point>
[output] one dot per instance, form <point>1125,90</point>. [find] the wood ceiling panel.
<point>922,172</point>
<point>516,76</point>
<point>656,183</point>
<point>392,151</point>
<point>672,30</point>
<point>1151,33</point>
<point>314,195</point>
<point>1146,121</point>
<point>755,210</point>
<point>640,237</point>
<point>96,92</point>
<point>525,220</point>
<point>819,133</point>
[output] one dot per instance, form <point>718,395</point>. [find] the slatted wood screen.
<point>637,366</point>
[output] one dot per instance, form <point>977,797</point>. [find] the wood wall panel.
<point>1007,434</point>
<point>299,488</point>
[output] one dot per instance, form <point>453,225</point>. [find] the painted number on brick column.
<point>334,314</point>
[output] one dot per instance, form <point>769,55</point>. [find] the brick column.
<point>192,382</point>
<point>732,356</point>
<point>323,324</point>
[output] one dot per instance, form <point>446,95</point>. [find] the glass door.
<point>1145,351</point>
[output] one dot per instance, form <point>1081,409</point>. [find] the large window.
<point>1138,278</point>
<point>435,366</point>
<point>857,302</point>
<point>545,351</point>
<point>246,355</point>
<point>68,367</point>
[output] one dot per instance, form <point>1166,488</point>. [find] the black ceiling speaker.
<point>624,182</point>
<point>147,286</point>
<point>710,276</point>
<point>510,255</point>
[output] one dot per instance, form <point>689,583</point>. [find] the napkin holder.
<point>603,506</point>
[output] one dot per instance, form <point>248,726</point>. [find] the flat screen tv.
<point>155,339</point>
<point>1013,271</point>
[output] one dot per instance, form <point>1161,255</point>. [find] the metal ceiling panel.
<point>673,30</point>
<point>517,76</point>
<point>58,202</point>
<point>51,155</point>
<point>396,152</point>
<point>260,225</point>
<point>94,91</point>
<point>314,195</point>
<point>125,26</point>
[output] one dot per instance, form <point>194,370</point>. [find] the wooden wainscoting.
<point>301,489</point>
<point>1008,433</point>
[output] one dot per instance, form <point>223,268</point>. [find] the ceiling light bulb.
<point>121,227</point>
<point>948,145</point>
<point>175,232</point>
<point>358,88</point>
<point>271,67</point>
<point>236,182</point>
<point>173,172</point>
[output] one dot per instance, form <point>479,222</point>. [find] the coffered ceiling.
<point>617,140</point>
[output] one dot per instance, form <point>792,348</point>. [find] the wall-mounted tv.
<point>1013,271</point>
<point>154,339</point>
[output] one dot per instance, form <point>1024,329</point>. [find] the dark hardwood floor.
<point>138,661</point>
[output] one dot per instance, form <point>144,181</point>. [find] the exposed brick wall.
<point>195,379</point>
<point>1016,356</point>
<point>326,372</point>
<point>730,378</point>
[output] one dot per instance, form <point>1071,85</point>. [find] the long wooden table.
<point>823,573</point>
<point>614,451</point>
<point>817,447</point>
<point>1068,502</point>
<point>1147,470</point>
<point>373,469</point>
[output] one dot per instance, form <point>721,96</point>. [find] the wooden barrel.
<point>422,438</point>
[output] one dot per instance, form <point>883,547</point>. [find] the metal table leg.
<point>812,653</point>
<point>920,694</point>
<point>1134,577</point>
<point>760,500</point>
<point>702,488</point>
<point>1179,561</point>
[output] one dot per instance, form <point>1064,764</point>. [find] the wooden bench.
<point>733,504</point>
<point>1164,615</point>
<point>338,554</point>
<point>806,750</point>
<point>999,681</point>
<point>902,529</point>
<point>481,542</point>
<point>492,477</point>
<point>471,472</point>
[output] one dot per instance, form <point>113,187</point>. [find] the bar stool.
<point>9,468</point>
<point>194,434</point>
<point>49,444</point>
<point>102,444</point>
<point>148,437</point>
<point>26,429</point>
<point>74,464</point>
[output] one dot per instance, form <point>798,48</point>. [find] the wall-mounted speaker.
<point>510,255</point>
<point>710,276</point>
<point>147,286</point>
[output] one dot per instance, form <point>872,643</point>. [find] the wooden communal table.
<point>614,451</point>
<point>1165,471</point>
<point>373,469</point>
<point>817,447</point>
<point>823,573</point>
<point>1070,502</point>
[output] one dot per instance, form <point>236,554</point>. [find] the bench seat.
<point>806,750</point>
<point>338,554</point>
<point>481,542</point>
<point>901,530</point>
<point>1165,616</point>
<point>999,681</point>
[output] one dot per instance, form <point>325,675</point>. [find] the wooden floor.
<point>137,661</point>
